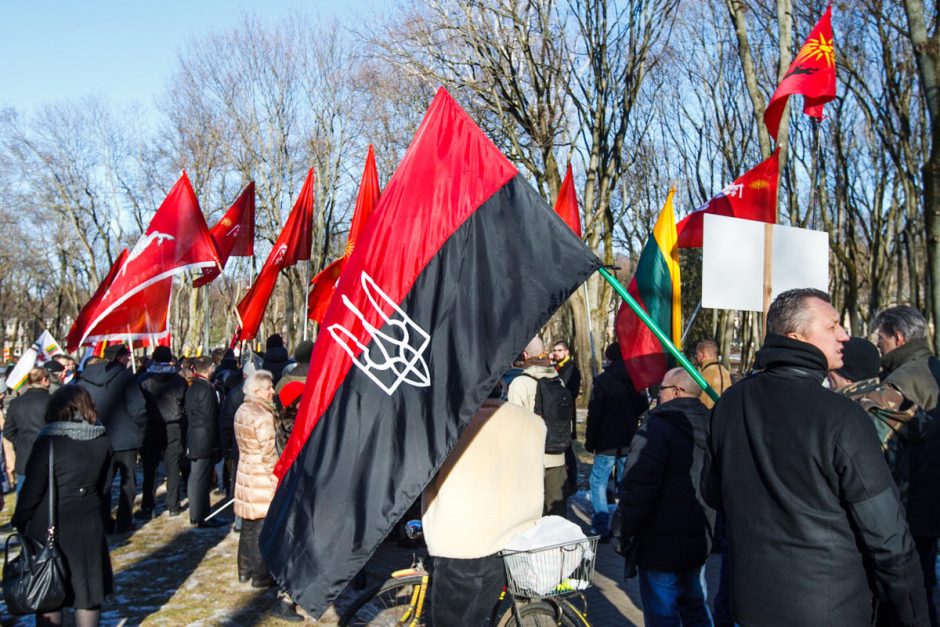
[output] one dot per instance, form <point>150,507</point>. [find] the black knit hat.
<point>860,360</point>
<point>162,354</point>
<point>113,352</point>
<point>274,341</point>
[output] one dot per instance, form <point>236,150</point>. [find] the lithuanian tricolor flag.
<point>656,287</point>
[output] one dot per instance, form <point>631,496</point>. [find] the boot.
<point>283,609</point>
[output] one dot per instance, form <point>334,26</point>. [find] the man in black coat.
<point>25,417</point>
<point>202,442</point>
<point>570,375</point>
<point>664,519</point>
<point>123,411</point>
<point>613,413</point>
<point>275,357</point>
<point>812,513</point>
<point>165,391</point>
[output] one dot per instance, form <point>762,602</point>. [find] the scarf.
<point>73,430</point>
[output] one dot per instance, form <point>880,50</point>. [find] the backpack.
<point>554,404</point>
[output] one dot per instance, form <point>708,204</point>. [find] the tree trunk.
<point>928,68</point>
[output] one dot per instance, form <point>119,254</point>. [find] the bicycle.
<point>533,596</point>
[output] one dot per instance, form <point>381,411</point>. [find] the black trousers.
<point>149,461</point>
<point>200,482</point>
<point>124,462</point>
<point>927,550</point>
<point>172,459</point>
<point>250,561</point>
<point>465,590</point>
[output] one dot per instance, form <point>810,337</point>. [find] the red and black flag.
<point>460,265</point>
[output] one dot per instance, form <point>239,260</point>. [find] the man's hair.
<point>901,320</point>
<point>684,380</point>
<point>709,347</point>
<point>217,354</point>
<point>789,313</point>
<point>563,345</point>
<point>37,376</point>
<point>71,403</point>
<point>202,365</point>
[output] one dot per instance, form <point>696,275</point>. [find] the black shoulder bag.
<point>34,581</point>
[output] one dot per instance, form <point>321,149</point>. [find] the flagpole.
<point>662,337</point>
<point>205,324</point>
<point>814,195</point>
<point>306,294</point>
<point>688,325</point>
<point>587,306</point>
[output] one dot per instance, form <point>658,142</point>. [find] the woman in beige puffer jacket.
<point>255,482</point>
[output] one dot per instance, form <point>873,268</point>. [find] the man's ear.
<point>899,339</point>
<point>794,336</point>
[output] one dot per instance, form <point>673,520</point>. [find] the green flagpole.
<point>644,317</point>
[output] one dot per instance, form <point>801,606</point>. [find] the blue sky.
<point>124,50</point>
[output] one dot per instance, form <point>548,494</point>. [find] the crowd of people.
<point>208,420</point>
<point>816,477</point>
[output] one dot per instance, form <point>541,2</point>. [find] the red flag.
<point>77,331</point>
<point>140,318</point>
<point>177,239</point>
<point>321,289</point>
<point>752,196</point>
<point>234,235</point>
<point>812,74</point>
<point>292,245</point>
<point>567,204</point>
<point>324,284</point>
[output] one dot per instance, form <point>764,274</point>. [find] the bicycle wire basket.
<point>551,571</point>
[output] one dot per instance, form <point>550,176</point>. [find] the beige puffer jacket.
<point>255,482</point>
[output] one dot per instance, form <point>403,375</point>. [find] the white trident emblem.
<point>392,360</point>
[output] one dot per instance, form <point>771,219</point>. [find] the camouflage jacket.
<point>897,421</point>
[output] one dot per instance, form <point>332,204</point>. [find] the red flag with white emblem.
<point>234,234</point>
<point>292,245</point>
<point>177,239</point>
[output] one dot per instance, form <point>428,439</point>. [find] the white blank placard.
<point>733,262</point>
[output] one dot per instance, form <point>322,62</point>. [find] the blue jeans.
<point>673,599</point>
<point>600,474</point>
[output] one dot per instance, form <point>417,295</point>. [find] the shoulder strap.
<point>51,489</point>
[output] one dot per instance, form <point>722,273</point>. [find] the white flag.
<point>42,350</point>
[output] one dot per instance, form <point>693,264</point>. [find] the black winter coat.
<point>202,414</point>
<point>813,517</point>
<point>165,393</point>
<point>660,502</point>
<point>119,402</point>
<point>613,411</point>
<point>233,400</point>
<point>275,360</point>
<point>923,492</point>
<point>570,375</point>
<point>81,469</point>
<point>25,417</point>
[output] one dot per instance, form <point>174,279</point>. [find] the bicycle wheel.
<point>396,602</point>
<point>542,614</point>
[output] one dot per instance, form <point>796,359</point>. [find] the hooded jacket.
<point>275,360</point>
<point>906,368</point>
<point>119,402</point>
<point>813,516</point>
<point>166,392</point>
<point>613,411</point>
<point>660,504</point>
